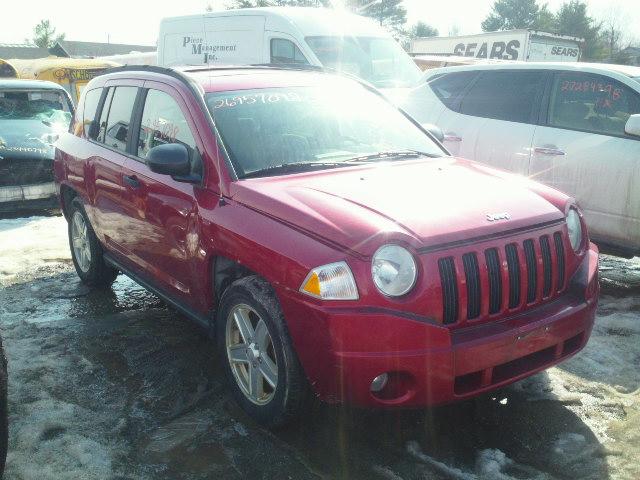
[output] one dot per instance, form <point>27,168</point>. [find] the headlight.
<point>394,270</point>
<point>574,225</point>
<point>331,282</point>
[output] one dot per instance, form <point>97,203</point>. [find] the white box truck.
<point>288,35</point>
<point>524,45</point>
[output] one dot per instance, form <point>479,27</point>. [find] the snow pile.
<point>491,464</point>
<point>569,444</point>
<point>51,437</point>
<point>28,243</point>
<point>414,449</point>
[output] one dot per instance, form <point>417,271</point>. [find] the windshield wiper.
<point>296,168</point>
<point>393,154</point>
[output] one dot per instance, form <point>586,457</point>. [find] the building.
<point>23,51</point>
<point>629,56</point>
<point>70,49</point>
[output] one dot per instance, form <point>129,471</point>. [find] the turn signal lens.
<point>331,282</point>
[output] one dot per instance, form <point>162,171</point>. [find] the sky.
<point>136,21</point>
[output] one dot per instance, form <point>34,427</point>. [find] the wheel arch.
<point>224,272</point>
<point>67,194</point>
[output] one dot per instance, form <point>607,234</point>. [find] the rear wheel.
<point>258,356</point>
<point>86,251</point>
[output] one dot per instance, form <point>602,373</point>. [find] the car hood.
<point>424,203</point>
<point>25,139</point>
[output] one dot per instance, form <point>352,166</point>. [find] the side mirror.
<point>121,134</point>
<point>169,159</point>
<point>434,130</point>
<point>633,126</point>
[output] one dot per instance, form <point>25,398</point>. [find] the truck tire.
<point>86,251</point>
<point>257,354</point>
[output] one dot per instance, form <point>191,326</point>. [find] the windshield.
<point>325,125</point>
<point>378,60</point>
<point>48,106</point>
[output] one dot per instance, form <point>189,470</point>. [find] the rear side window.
<point>591,103</point>
<point>511,96</point>
<point>285,51</point>
<point>450,86</point>
<point>91,100</point>
<point>116,117</point>
<point>163,122</point>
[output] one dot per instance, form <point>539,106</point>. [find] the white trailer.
<point>523,45</point>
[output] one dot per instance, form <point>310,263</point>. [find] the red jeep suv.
<point>328,242</point>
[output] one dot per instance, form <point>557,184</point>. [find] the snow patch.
<point>491,463</point>
<point>28,243</point>
<point>569,443</point>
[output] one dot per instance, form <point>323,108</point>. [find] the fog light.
<point>379,383</point>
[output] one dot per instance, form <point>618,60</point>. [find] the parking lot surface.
<point>114,384</point>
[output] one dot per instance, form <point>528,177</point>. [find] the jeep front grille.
<point>532,267</point>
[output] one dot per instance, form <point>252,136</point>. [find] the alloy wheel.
<point>251,354</point>
<point>80,241</point>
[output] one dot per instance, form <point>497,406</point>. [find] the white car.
<point>575,127</point>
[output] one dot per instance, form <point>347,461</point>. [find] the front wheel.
<point>86,251</point>
<point>258,356</point>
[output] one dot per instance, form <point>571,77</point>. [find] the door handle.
<point>451,137</point>
<point>132,181</point>
<point>553,151</point>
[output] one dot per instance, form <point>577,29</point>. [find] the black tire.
<point>96,272</point>
<point>4,416</point>
<point>292,391</point>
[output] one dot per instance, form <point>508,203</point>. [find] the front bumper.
<point>342,350</point>
<point>18,194</point>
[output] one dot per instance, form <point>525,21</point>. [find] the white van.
<point>573,126</point>
<point>288,35</point>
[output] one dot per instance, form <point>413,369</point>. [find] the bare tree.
<point>613,31</point>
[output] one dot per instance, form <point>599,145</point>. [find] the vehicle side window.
<point>450,86</point>
<point>285,51</point>
<point>591,103</point>
<point>91,100</point>
<point>116,128</point>
<point>163,122</point>
<point>510,96</point>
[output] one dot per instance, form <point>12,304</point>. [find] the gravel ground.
<point>115,385</point>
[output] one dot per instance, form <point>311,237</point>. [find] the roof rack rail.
<point>148,68</point>
<point>179,71</point>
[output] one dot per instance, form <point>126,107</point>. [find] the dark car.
<point>32,115</point>
<point>328,241</point>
